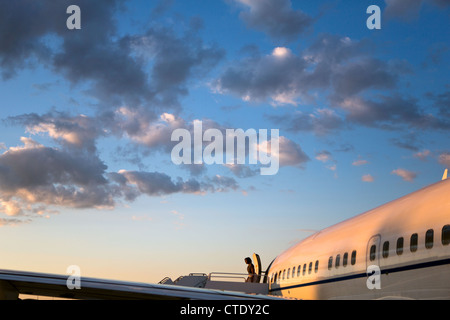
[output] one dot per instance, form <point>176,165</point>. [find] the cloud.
<point>273,76</point>
<point>144,128</point>
<point>173,61</point>
<point>35,179</point>
<point>12,221</point>
<point>367,178</point>
<point>409,9</point>
<point>423,155</point>
<point>444,158</point>
<point>79,131</point>
<point>364,74</point>
<point>403,9</point>
<point>389,112</point>
<point>442,102</point>
<point>410,141</point>
<point>242,171</point>
<point>151,68</point>
<point>221,183</point>
<point>157,184</point>
<point>335,71</point>
<point>321,122</point>
<point>405,174</point>
<point>359,162</point>
<point>156,135</point>
<point>324,156</point>
<point>277,18</point>
<point>34,174</point>
<point>291,154</point>
<point>336,66</point>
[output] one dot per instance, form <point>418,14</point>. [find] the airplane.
<point>400,250</point>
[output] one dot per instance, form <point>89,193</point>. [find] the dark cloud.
<point>242,171</point>
<point>35,174</point>
<point>80,132</point>
<point>442,102</point>
<point>409,9</point>
<point>277,18</point>
<point>150,69</point>
<point>156,183</point>
<point>367,73</point>
<point>22,26</point>
<point>337,71</point>
<point>408,142</point>
<point>257,78</point>
<point>390,112</point>
<point>437,53</point>
<point>135,183</point>
<point>321,122</point>
<point>284,77</point>
<point>25,24</point>
<point>405,9</point>
<point>161,7</point>
<point>221,183</point>
<point>35,178</point>
<point>291,154</point>
<point>175,59</point>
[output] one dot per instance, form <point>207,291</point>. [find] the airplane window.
<point>304,269</point>
<point>373,250</point>
<point>385,249</point>
<point>413,243</point>
<point>338,261</point>
<point>288,273</point>
<point>446,235</point>
<point>279,276</point>
<point>310,268</point>
<point>298,270</point>
<point>429,239</point>
<point>284,273</point>
<point>400,246</point>
<point>344,260</point>
<point>330,263</point>
<point>316,267</point>
<point>353,257</point>
<point>293,272</point>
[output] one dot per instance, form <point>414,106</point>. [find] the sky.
<point>87,176</point>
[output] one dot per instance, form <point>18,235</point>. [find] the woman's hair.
<point>248,260</point>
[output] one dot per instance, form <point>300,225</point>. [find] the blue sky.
<point>86,176</point>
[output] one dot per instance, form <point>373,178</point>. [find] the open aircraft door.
<point>258,267</point>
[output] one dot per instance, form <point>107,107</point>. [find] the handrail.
<point>166,279</point>
<point>231,275</point>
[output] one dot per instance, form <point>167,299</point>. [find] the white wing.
<point>13,283</point>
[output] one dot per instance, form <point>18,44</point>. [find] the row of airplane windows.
<point>286,274</point>
<point>414,240</point>
<point>413,243</point>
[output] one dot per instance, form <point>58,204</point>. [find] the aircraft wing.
<point>13,283</point>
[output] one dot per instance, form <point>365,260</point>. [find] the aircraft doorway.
<point>373,251</point>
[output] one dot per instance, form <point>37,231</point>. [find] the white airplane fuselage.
<point>398,250</point>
